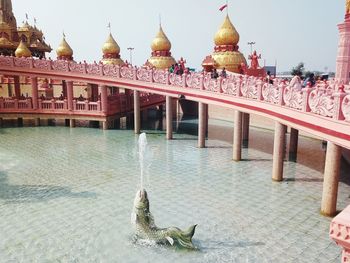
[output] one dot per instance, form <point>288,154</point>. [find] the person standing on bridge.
<point>296,81</point>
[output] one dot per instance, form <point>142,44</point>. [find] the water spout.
<point>142,151</point>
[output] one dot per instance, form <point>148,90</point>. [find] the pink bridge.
<point>323,110</point>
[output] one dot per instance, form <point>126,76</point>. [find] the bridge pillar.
<point>202,123</point>
<point>293,145</point>
<point>169,117</point>
<point>104,99</point>
<point>17,87</point>
<point>237,137</point>
<point>331,180</point>
<point>1,122</point>
<point>278,151</point>
<point>105,125</point>
<point>35,92</point>
<point>137,113</point>
<point>37,122</point>
<point>245,134</point>
<point>72,123</point>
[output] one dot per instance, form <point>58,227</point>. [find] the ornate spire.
<point>6,13</point>
<point>111,52</point>
<point>227,34</point>
<point>64,51</point>
<point>161,41</point>
<point>161,56</point>
<point>110,46</point>
<point>22,50</point>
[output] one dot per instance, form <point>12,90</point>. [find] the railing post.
<point>1,103</point>
<point>281,92</point>
<point>40,106</point>
<point>16,103</point>
<point>306,93</point>
<point>53,104</point>
<point>184,80</point>
<point>29,103</point>
<point>65,104</point>
<point>86,105</point>
<point>338,100</point>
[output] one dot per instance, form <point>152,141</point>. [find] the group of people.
<point>177,69</point>
<point>299,82</point>
<point>214,73</point>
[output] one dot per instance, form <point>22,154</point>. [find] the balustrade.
<point>328,99</point>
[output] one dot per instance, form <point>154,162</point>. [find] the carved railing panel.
<point>176,80</point>
<point>249,88</point>
<point>42,64</point>
<point>127,72</point>
<point>111,71</point>
<point>94,69</point>
<point>22,62</point>
<point>194,80</point>
<point>144,74</point>
<point>271,93</point>
<point>321,103</point>
<point>345,107</point>
<point>210,84</point>
<point>231,85</point>
<point>293,98</point>
<point>77,67</point>
<point>160,76</point>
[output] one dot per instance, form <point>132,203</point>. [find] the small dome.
<point>227,34</point>
<point>22,51</point>
<point>64,50</point>
<point>161,42</point>
<point>161,62</point>
<point>110,46</point>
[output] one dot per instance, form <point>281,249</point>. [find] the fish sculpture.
<point>146,229</point>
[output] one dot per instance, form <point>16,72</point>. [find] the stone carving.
<point>293,98</point>
<point>144,74</point>
<point>160,76</point>
<point>321,104</point>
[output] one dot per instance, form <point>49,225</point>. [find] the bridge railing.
<point>327,99</point>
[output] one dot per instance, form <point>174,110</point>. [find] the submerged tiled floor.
<point>66,196</point>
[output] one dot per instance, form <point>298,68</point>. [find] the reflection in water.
<point>36,193</point>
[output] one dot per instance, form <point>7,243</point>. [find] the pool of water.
<point>66,196</point>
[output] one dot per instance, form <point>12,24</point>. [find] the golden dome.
<point>113,61</point>
<point>161,42</point>
<point>231,60</point>
<point>22,51</point>
<point>161,62</point>
<point>64,50</point>
<point>227,34</point>
<point>110,46</point>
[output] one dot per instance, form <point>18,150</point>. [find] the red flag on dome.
<point>223,7</point>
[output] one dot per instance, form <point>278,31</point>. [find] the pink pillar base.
<point>340,232</point>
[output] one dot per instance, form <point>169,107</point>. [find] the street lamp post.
<point>130,50</point>
<point>251,46</point>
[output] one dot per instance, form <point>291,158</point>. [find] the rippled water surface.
<point>66,196</point>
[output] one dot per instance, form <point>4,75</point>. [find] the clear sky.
<point>284,31</point>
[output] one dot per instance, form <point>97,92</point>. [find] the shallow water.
<point>66,196</point>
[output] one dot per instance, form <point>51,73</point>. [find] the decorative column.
<point>169,117</point>
<point>331,180</point>
<point>137,113</point>
<point>70,101</point>
<point>237,137</point>
<point>35,92</point>
<point>202,123</point>
<point>293,145</point>
<point>17,87</point>
<point>245,124</point>
<point>278,151</point>
<point>343,55</point>
<point>104,98</point>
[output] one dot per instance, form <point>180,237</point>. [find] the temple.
<point>11,35</point>
<point>226,54</point>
